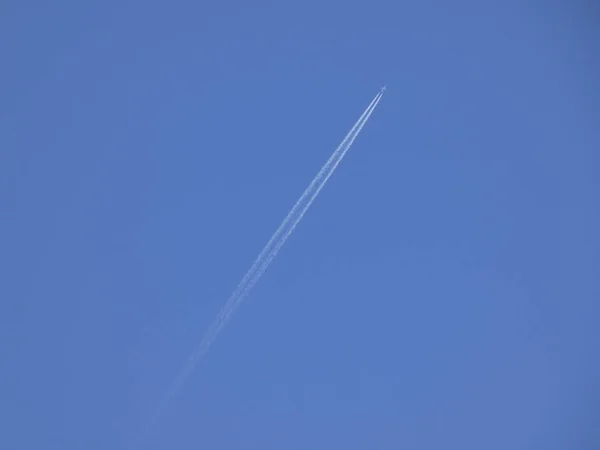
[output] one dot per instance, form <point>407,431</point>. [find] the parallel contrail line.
<point>261,267</point>
<point>207,341</point>
<point>284,238</point>
<point>295,208</point>
<point>269,252</point>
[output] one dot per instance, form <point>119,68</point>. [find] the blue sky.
<point>441,293</point>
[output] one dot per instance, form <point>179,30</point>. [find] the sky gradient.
<point>442,292</point>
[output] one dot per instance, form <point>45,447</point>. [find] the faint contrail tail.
<point>268,253</point>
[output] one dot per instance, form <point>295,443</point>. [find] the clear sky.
<point>443,291</point>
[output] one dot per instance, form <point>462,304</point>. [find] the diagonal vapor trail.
<point>207,341</point>
<point>268,253</point>
<point>261,264</point>
<point>298,218</point>
<point>241,286</point>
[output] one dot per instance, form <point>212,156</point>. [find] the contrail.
<point>260,264</point>
<point>269,252</point>
<point>226,313</point>
<point>293,211</point>
<point>283,239</point>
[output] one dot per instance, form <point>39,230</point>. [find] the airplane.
<point>384,88</point>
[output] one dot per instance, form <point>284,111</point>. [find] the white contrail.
<point>298,218</point>
<point>261,263</point>
<point>240,287</point>
<point>269,252</point>
<point>226,314</point>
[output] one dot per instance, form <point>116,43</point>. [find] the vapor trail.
<point>321,185</point>
<point>261,263</point>
<point>241,286</point>
<point>263,267</point>
<point>269,252</point>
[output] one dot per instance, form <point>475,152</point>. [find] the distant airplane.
<point>384,88</point>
